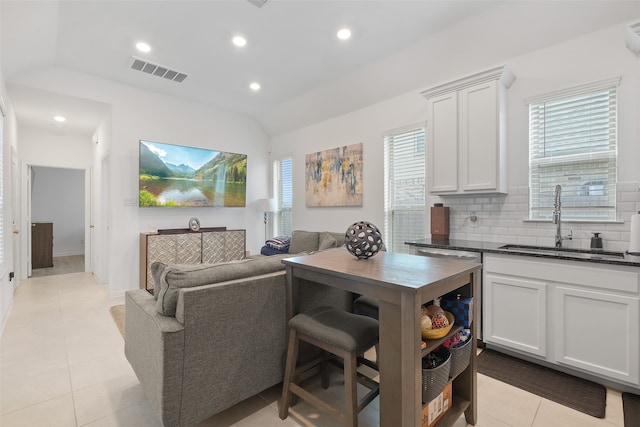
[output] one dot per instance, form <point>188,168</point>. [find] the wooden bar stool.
<point>343,334</point>
<point>367,306</point>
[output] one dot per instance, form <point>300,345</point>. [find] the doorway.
<point>57,221</point>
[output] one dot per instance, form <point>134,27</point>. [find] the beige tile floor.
<point>61,265</point>
<point>62,364</point>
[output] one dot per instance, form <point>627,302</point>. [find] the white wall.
<point>586,59</point>
<point>57,196</point>
<point>54,148</point>
<point>137,114</point>
<point>101,201</point>
<point>7,288</point>
<point>366,126</point>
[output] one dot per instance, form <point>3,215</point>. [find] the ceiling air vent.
<point>258,3</point>
<point>157,70</point>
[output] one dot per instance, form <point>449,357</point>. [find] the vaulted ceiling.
<point>292,49</point>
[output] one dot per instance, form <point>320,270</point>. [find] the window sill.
<point>575,221</point>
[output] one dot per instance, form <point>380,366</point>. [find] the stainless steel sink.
<point>564,252</point>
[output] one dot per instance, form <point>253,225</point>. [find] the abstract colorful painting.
<point>334,177</point>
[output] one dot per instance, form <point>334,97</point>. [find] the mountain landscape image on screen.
<point>175,175</point>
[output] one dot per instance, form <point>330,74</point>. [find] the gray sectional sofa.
<point>214,335</point>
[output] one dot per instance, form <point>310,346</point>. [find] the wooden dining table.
<point>401,283</point>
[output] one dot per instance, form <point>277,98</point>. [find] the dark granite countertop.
<point>600,257</point>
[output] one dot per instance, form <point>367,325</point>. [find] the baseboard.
<point>56,255</point>
<point>117,294</point>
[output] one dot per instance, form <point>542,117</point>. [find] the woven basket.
<point>436,379</point>
<point>460,357</point>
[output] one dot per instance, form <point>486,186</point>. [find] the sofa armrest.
<point>154,346</point>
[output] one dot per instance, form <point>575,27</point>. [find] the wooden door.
<point>41,244</point>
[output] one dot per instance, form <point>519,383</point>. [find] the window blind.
<point>573,142</point>
<point>404,196</point>
<point>283,191</point>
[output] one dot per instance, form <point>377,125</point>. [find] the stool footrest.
<point>315,401</point>
<point>367,362</point>
<point>368,398</point>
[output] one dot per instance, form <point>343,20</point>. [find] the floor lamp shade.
<point>266,205</point>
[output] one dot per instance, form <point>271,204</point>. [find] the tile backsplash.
<point>503,218</point>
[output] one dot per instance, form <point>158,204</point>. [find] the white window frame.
<point>583,162</point>
<point>411,165</point>
<point>283,195</point>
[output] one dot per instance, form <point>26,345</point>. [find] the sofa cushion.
<point>303,241</point>
<point>173,277</point>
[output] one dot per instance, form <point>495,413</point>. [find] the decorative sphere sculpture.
<point>363,239</point>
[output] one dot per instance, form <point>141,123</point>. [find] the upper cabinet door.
<point>466,144</point>
<point>442,143</point>
<point>479,169</point>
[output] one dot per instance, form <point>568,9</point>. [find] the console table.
<point>402,283</point>
<point>183,246</point>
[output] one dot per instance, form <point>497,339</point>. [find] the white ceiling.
<point>292,48</point>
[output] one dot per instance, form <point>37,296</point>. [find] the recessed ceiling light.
<point>239,41</point>
<point>255,86</point>
<point>344,34</point>
<point>143,47</point>
<point>60,119</point>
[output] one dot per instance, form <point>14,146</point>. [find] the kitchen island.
<point>401,283</point>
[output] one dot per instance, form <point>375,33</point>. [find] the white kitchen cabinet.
<point>598,332</point>
<point>580,316</point>
<point>515,313</point>
<point>442,126</point>
<point>466,144</point>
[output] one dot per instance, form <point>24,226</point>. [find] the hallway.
<point>61,265</point>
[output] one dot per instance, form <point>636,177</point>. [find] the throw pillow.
<point>156,268</point>
<point>280,243</point>
<point>269,251</point>
<point>327,242</point>
<point>338,236</point>
<point>303,241</point>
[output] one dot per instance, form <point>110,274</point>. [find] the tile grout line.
<point>66,351</point>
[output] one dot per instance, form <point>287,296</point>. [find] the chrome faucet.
<point>557,209</point>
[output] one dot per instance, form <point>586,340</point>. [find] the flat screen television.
<point>174,176</point>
